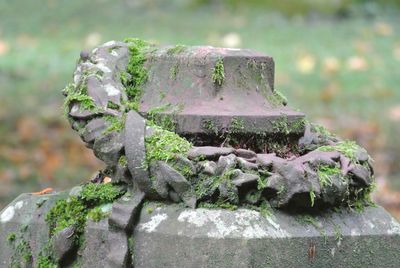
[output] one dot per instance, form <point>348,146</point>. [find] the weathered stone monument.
<point>206,166</point>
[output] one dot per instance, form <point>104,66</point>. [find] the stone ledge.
<point>173,236</point>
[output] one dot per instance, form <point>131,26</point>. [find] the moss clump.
<point>321,130</point>
<point>11,237</point>
<point>86,102</point>
<point>74,211</point>
<point>164,144</point>
<point>45,262</point>
<point>325,174</point>
<point>98,194</point>
<point>218,75</point>
<point>176,49</point>
<point>123,161</point>
<point>312,197</point>
<point>348,148</point>
<point>277,98</point>
<point>112,105</point>
<point>210,126</point>
<point>281,125</point>
<point>138,73</point>
<point>67,213</point>
<point>116,123</point>
<point>174,71</point>
<point>165,121</point>
<point>97,214</point>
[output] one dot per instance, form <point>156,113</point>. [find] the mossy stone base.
<point>173,236</point>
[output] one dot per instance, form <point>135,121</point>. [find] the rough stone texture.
<point>240,179</point>
<point>226,163</point>
<point>95,252</point>
<point>118,250</point>
<point>209,152</point>
<point>244,94</point>
<point>135,150</point>
<point>177,182</point>
<point>124,210</point>
<point>171,236</point>
<point>63,242</point>
<point>109,147</point>
<point>94,129</point>
<point>26,210</point>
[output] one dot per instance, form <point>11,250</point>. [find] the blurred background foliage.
<point>336,60</point>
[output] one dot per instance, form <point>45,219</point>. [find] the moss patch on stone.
<point>75,211</point>
<point>277,98</point>
<point>176,49</point>
<point>348,148</point>
<point>164,144</point>
<point>136,69</point>
<point>218,72</point>
<point>325,174</point>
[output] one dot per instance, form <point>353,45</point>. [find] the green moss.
<point>176,49</point>
<point>123,161</point>
<point>11,237</point>
<point>348,148</point>
<point>265,209</point>
<point>277,98</point>
<point>325,174</point>
<point>307,219</point>
<point>174,71</point>
<point>112,105</point>
<point>164,144</point>
<point>86,102</point>
<point>66,213</point>
<point>96,214</point>
<point>312,197</point>
<point>236,126</point>
<point>24,251</point>
<point>209,126</point>
<point>150,210</point>
<point>138,73</point>
<point>320,130</point>
<point>98,194</point>
<point>362,198</point>
<point>337,231</point>
<point>45,262</point>
<point>117,123</point>
<point>299,125</point>
<point>131,245</point>
<point>281,125</point>
<point>74,211</point>
<point>262,182</point>
<point>218,73</point>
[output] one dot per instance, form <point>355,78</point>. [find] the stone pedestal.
<point>173,236</point>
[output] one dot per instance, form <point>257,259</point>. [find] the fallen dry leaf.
<point>44,191</point>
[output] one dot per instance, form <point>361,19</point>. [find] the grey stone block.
<point>172,237</point>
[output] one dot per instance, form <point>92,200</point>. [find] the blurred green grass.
<point>341,72</point>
